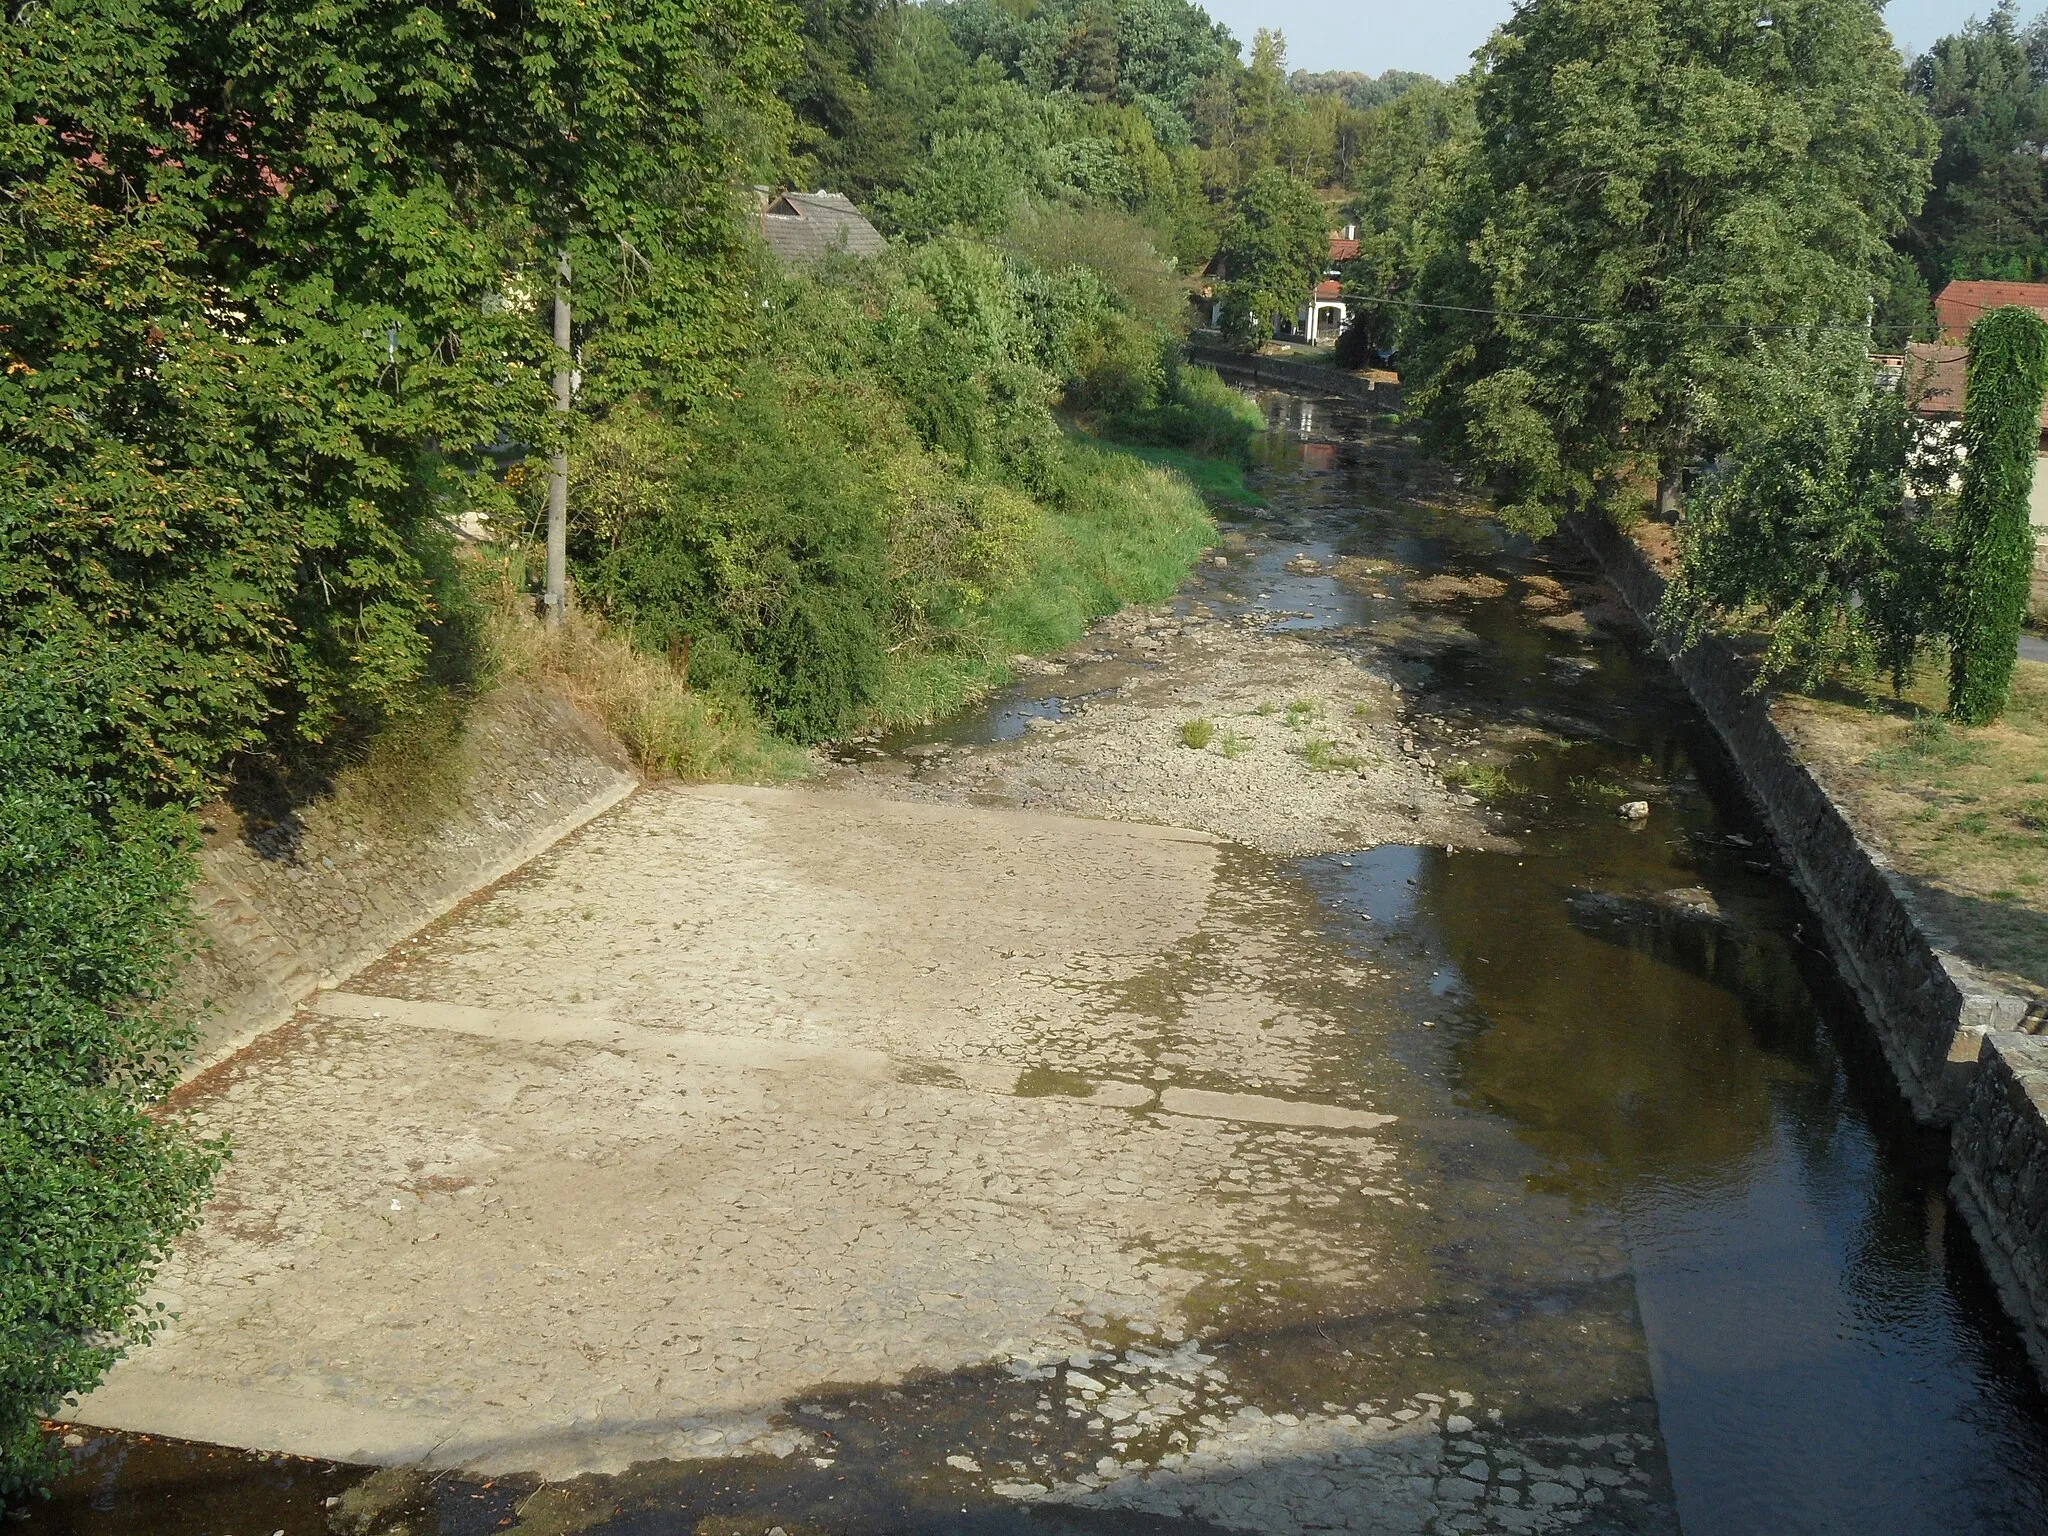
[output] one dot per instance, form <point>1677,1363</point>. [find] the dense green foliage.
<point>1986,216</point>
<point>889,510</point>
<point>1273,250</point>
<point>255,354</point>
<point>1407,154</point>
<point>274,274</point>
<point>1993,539</point>
<point>1682,177</point>
<point>92,915</point>
<point>1824,528</point>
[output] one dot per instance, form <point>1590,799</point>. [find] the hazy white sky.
<point>1438,36</point>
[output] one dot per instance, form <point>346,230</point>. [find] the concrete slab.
<point>735,1094</point>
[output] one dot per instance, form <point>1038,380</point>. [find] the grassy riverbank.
<point>1961,814</point>
<point>1126,530</point>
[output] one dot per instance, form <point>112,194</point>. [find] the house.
<point>1321,317</point>
<point>809,226</point>
<point>1959,305</point>
<point>1937,374</point>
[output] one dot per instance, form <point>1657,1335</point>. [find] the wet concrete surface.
<point>1659,1247</point>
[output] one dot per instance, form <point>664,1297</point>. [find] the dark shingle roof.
<point>808,226</point>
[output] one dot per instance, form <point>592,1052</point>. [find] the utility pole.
<point>558,476</point>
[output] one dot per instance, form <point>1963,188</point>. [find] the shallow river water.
<point>1664,1202</point>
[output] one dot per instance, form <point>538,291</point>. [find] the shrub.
<point>1197,733</point>
<point>769,556</point>
<point>92,931</point>
<point>1196,411</point>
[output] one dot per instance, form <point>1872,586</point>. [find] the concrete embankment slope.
<point>1953,1038</point>
<point>289,898</point>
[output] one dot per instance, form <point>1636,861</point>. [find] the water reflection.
<point>1644,1006</point>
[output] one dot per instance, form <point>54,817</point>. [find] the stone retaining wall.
<point>288,900</point>
<point>1931,1010</point>
<point>1948,1034</point>
<point>2000,1156</point>
<point>1301,378</point>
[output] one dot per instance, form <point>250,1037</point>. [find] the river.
<point>1664,1210</point>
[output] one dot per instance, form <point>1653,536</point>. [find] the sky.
<point>1437,36</point>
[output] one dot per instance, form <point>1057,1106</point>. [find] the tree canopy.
<point>1986,88</point>
<point>1274,249</point>
<point>1654,186</point>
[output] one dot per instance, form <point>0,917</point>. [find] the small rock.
<point>1636,810</point>
<point>74,1440</point>
<point>963,1463</point>
<point>1458,1424</point>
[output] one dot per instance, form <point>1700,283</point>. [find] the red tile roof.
<point>1342,248</point>
<point>1959,305</point>
<point>1329,288</point>
<point>1937,373</point>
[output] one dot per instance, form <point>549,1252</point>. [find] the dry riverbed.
<point>1001,1126</point>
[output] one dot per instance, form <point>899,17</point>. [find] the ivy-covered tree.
<point>1994,554</point>
<point>1654,186</point>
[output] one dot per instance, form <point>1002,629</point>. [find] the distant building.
<point>1316,321</point>
<point>1937,376</point>
<point>1321,320</point>
<point>809,226</point>
<point>1959,305</point>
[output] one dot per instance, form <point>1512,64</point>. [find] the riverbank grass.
<point>1961,813</point>
<point>672,730</point>
<point>1127,530</point>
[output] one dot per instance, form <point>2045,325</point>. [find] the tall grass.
<point>1123,531</point>
<point>672,730</point>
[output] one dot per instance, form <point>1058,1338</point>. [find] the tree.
<point>1274,249</point>
<point>1825,526</point>
<point>1654,186</point>
<point>1402,172</point>
<point>2008,378</point>
<point>1986,88</point>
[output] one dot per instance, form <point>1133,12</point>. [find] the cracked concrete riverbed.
<point>1060,1120</point>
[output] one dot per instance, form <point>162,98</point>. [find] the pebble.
<point>1636,810</point>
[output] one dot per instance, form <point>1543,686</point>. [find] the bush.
<point>92,932</point>
<point>769,556</point>
<point>1198,412</point>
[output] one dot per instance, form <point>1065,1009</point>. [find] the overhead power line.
<point>1776,326</point>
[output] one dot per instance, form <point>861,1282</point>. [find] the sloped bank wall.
<point>286,901</point>
<point>1950,1036</point>
<point>1999,1151</point>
